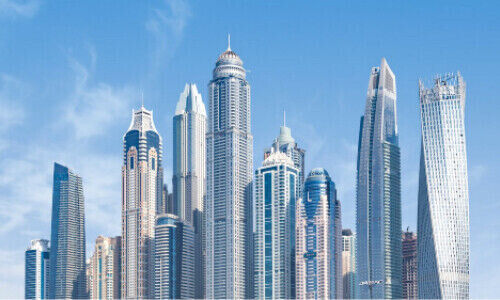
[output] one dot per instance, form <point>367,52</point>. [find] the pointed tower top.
<point>142,98</point>
<point>228,42</point>
<point>284,118</point>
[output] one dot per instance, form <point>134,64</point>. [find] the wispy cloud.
<point>21,8</point>
<point>166,26</point>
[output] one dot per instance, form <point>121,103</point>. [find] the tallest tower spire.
<point>228,42</point>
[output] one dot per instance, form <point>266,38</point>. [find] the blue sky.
<point>71,72</point>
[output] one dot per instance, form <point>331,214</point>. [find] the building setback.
<point>378,195</point>
<point>105,269</point>
<point>142,183</point>
<point>318,239</point>
<point>174,259</point>
<point>274,259</point>
<point>67,254</point>
<point>229,236</point>
<point>443,196</point>
<point>189,168</point>
<point>349,264</point>
<point>36,285</point>
<point>409,276</point>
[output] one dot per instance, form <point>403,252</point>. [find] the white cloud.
<point>22,8</point>
<point>167,28</point>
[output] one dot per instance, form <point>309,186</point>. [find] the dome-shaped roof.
<point>229,57</point>
<point>277,158</point>
<point>318,172</point>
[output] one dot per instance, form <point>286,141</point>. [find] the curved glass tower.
<point>318,239</point>
<point>142,183</point>
<point>443,196</point>
<point>229,271</point>
<point>275,193</point>
<point>378,200</point>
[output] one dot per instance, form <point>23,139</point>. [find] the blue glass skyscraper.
<point>378,199</point>
<point>67,254</point>
<point>37,270</point>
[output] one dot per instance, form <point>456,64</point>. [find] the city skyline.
<point>95,77</point>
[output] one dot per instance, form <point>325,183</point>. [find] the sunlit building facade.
<point>378,199</point>
<point>349,264</point>
<point>443,196</point>
<point>36,284</point>
<point>275,196</point>
<point>142,183</point>
<point>318,239</point>
<point>105,269</point>
<point>189,168</point>
<point>67,250</point>
<point>229,236</point>
<point>174,267</point>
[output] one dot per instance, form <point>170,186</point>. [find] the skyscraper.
<point>286,143</point>
<point>349,264</point>
<point>378,200</point>
<point>318,239</point>
<point>105,268</point>
<point>189,167</point>
<point>229,271</point>
<point>67,252</point>
<point>409,265</point>
<point>275,195</point>
<point>174,258</point>
<point>142,182</point>
<point>443,196</point>
<point>36,285</point>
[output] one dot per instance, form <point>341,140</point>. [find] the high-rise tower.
<point>318,239</point>
<point>409,277</point>
<point>275,195</point>
<point>378,203</point>
<point>67,254</point>
<point>189,167</point>
<point>229,272</point>
<point>286,143</point>
<point>105,268</point>
<point>443,196</point>
<point>349,264</point>
<point>142,183</point>
<point>36,285</point>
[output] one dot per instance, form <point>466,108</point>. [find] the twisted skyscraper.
<point>142,183</point>
<point>443,196</point>
<point>229,177</point>
<point>378,204</point>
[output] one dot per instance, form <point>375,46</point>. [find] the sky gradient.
<point>72,71</point>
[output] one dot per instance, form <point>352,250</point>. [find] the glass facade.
<point>274,195</point>
<point>142,197</point>
<point>318,239</point>
<point>67,277</point>
<point>37,270</point>
<point>443,198</point>
<point>229,228</point>
<point>378,195</point>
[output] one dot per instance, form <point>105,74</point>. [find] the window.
<point>153,163</point>
<point>131,163</point>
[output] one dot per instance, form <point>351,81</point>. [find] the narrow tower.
<point>189,172</point>
<point>318,239</point>
<point>36,277</point>
<point>443,196</point>
<point>67,253</point>
<point>275,194</point>
<point>378,203</point>
<point>142,184</point>
<point>229,270</point>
